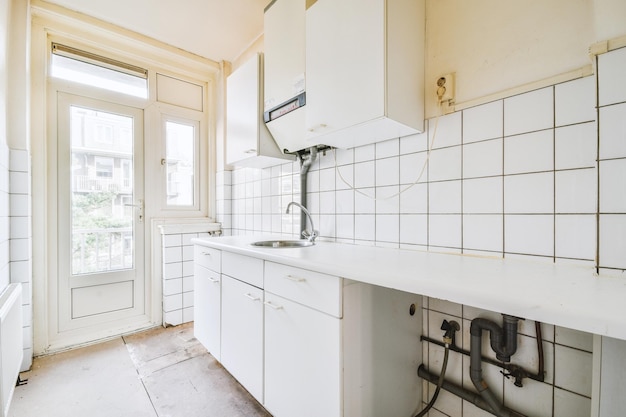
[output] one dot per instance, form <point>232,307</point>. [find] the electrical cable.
<point>419,177</point>
<point>439,382</point>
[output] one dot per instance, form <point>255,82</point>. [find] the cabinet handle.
<point>214,280</point>
<point>319,126</point>
<point>294,279</point>
<point>252,297</point>
<point>274,306</point>
<point>206,253</point>
<point>250,151</point>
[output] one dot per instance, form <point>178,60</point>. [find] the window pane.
<point>101,190</point>
<point>97,76</point>
<point>180,140</point>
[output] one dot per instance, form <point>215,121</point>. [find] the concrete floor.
<point>156,373</point>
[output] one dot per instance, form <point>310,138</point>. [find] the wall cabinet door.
<point>207,309</point>
<point>242,333</point>
<point>364,71</point>
<point>302,360</point>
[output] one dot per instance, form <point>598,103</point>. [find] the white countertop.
<point>564,295</point>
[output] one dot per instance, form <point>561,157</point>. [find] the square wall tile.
<point>529,193</point>
<point>613,131</point>
<point>568,404</point>
<point>532,152</point>
<point>387,228</point>
<point>611,79</point>
<point>445,164</point>
<point>483,159</point>
<point>414,143</point>
<point>387,200</point>
<point>364,174</point>
<point>414,229</point>
<point>529,234</point>
<point>527,355</point>
<point>365,153</point>
<point>573,369</point>
<point>364,201</point>
<point>483,195</point>
<point>327,179</point>
<point>344,201</point>
<point>574,338</point>
<point>344,177</point>
<point>575,101</point>
<point>414,168</point>
<point>612,190</point>
<point>344,224</point>
<point>19,160</point>
<point>414,199</point>
<point>387,171</point>
<point>365,227</point>
<point>576,191</point>
<point>576,146</point>
<point>446,130</point>
<point>444,230</point>
<point>529,112</point>
<point>172,240</point>
<point>387,148</point>
<point>444,197</point>
<point>483,232</point>
<point>534,399</point>
<point>19,182</point>
<point>575,236</point>
<point>612,241</point>
<point>483,122</point>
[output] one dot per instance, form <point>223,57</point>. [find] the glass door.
<point>100,215</point>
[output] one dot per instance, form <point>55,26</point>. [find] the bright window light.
<point>85,68</point>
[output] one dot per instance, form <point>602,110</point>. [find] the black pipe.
<point>504,343</point>
<point>463,393</point>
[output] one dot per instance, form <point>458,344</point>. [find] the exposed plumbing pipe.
<point>306,157</point>
<point>463,393</point>
<point>504,343</point>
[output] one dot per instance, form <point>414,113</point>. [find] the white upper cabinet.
<point>364,71</point>
<point>248,142</point>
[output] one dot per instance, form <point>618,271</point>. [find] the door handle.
<point>139,207</point>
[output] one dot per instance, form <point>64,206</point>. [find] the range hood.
<point>285,95</point>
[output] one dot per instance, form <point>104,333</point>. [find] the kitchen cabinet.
<point>207,298</point>
<point>303,371</point>
<point>242,333</point>
<point>364,71</point>
<point>248,142</point>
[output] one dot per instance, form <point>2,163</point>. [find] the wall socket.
<point>445,88</point>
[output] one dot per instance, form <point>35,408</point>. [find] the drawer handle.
<point>206,253</point>
<point>252,297</point>
<point>274,306</point>
<point>294,279</point>
<point>214,280</point>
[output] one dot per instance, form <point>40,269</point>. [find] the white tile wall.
<point>21,239</point>
<point>516,177</point>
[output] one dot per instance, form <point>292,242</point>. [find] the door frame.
<point>56,338</point>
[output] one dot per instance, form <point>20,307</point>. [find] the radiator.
<point>11,343</point>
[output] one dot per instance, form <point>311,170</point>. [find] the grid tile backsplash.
<point>538,175</point>
<point>515,177</point>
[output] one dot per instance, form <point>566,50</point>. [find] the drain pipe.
<point>306,157</point>
<point>504,343</point>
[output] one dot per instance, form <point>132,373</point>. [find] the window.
<point>86,68</point>
<point>181,145</point>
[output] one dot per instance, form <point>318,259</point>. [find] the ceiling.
<point>215,29</point>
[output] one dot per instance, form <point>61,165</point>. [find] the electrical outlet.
<point>445,88</point>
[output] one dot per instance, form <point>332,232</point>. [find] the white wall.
<point>4,150</point>
<point>494,46</point>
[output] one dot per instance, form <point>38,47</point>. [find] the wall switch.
<point>445,88</point>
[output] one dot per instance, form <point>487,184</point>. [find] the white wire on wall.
<point>419,177</point>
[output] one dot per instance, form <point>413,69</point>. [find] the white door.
<point>101,283</point>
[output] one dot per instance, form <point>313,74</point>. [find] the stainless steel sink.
<point>283,243</point>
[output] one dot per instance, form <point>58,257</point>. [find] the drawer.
<point>207,257</point>
<point>319,291</point>
<point>244,268</point>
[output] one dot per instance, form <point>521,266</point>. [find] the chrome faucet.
<point>310,236</point>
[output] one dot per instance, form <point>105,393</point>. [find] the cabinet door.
<point>242,333</point>
<point>207,309</point>
<point>302,360</point>
<point>345,65</point>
